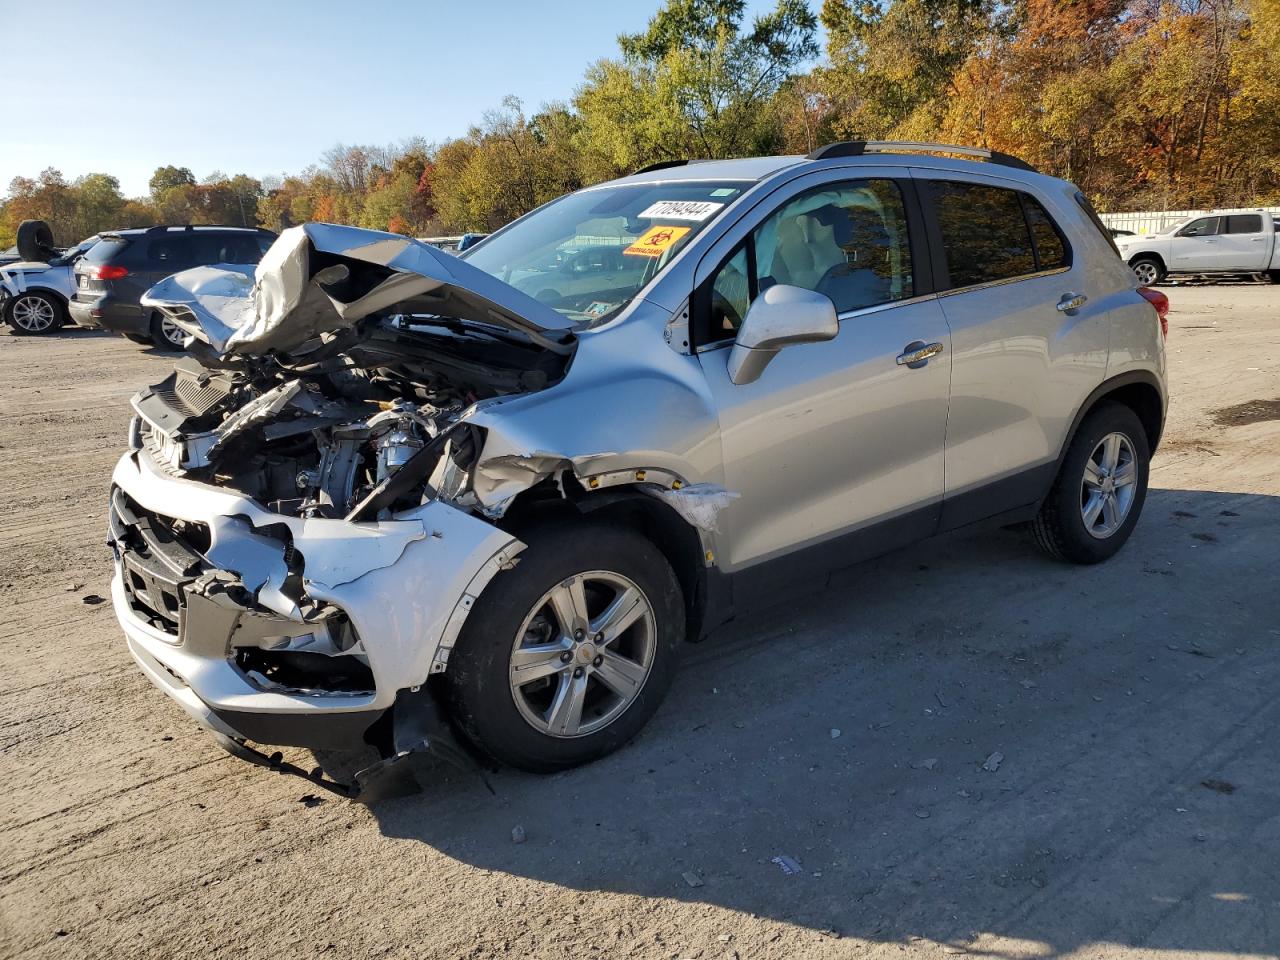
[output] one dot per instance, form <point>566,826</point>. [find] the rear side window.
<point>106,250</point>
<point>220,247</point>
<point>170,251</point>
<point>984,233</point>
<point>1244,223</point>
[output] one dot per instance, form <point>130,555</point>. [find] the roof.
<point>748,169</point>
<point>755,169</point>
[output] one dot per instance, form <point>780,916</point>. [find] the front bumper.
<point>405,585</point>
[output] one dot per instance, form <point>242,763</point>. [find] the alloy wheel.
<point>583,654</point>
<point>1109,485</point>
<point>1146,273</point>
<point>33,314</point>
<point>172,333</point>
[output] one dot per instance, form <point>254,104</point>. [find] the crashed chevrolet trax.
<point>389,483</point>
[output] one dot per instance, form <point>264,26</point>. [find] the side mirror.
<point>779,317</point>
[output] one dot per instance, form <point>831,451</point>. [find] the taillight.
<point>1161,303</point>
<point>108,272</point>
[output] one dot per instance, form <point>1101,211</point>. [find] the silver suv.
<point>388,488</point>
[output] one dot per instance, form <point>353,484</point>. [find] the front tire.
<point>1148,270</point>
<point>1101,486</point>
<point>33,313</point>
<point>564,658</point>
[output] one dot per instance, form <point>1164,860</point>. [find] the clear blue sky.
<point>265,87</point>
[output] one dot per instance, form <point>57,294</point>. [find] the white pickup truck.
<point>1232,243</point>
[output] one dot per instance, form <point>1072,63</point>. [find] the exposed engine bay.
<point>354,425</point>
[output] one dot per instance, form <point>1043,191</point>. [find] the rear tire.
<point>1148,270</point>
<point>33,313</point>
<point>1274,276</point>
<point>166,335</point>
<point>518,663</point>
<point>1101,486</point>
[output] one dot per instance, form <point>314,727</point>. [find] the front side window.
<point>588,254</point>
<point>1204,227</point>
<point>848,241</point>
<point>1244,223</point>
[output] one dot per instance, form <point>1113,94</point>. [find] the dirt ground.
<point>848,732</point>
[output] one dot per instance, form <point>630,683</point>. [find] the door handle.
<point>1071,302</point>
<point>917,353</point>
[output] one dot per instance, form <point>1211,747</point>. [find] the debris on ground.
<point>993,762</point>
<point>835,733</point>
<point>691,878</point>
<point>73,587</point>
<point>922,813</point>
<point>928,764</point>
<point>1219,786</point>
<point>517,834</point>
<point>788,865</point>
<point>310,800</point>
<point>92,599</point>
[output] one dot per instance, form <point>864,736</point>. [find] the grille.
<point>157,560</point>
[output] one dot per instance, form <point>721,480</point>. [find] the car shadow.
<point>962,742</point>
<point>67,332</point>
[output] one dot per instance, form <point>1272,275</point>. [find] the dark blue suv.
<point>125,264</point>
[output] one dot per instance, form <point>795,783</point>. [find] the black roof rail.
<point>661,165</point>
<point>199,226</point>
<point>858,148</point>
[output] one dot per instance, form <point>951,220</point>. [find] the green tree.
<point>165,178</point>
<point>695,83</point>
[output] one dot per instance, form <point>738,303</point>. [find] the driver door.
<point>1195,246</point>
<point>838,446</point>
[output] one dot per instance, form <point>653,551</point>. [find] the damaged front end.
<point>297,527</point>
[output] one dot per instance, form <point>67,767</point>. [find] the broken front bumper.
<point>207,584</point>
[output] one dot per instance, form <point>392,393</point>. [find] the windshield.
<point>69,256</point>
<point>588,254</point>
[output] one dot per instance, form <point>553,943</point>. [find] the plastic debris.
<point>691,878</point>
<point>789,866</point>
<point>517,834</point>
<point>993,762</point>
<point>835,733</point>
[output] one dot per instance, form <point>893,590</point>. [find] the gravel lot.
<point>848,732</point>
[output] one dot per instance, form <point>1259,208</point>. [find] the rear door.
<point>1241,243</point>
<point>1029,334</point>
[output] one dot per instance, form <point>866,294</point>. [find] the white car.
<point>1217,243</point>
<point>34,295</point>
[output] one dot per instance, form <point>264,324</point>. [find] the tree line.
<point>1145,104</point>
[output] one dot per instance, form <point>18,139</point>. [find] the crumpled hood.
<point>322,278</point>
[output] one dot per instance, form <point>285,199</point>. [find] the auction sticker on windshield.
<point>681,210</point>
<point>655,241</point>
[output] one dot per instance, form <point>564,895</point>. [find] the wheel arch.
<point>1140,391</point>
<point>679,541</point>
<point>49,292</point>
<point>1148,255</point>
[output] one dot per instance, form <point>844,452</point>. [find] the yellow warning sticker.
<point>655,241</point>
